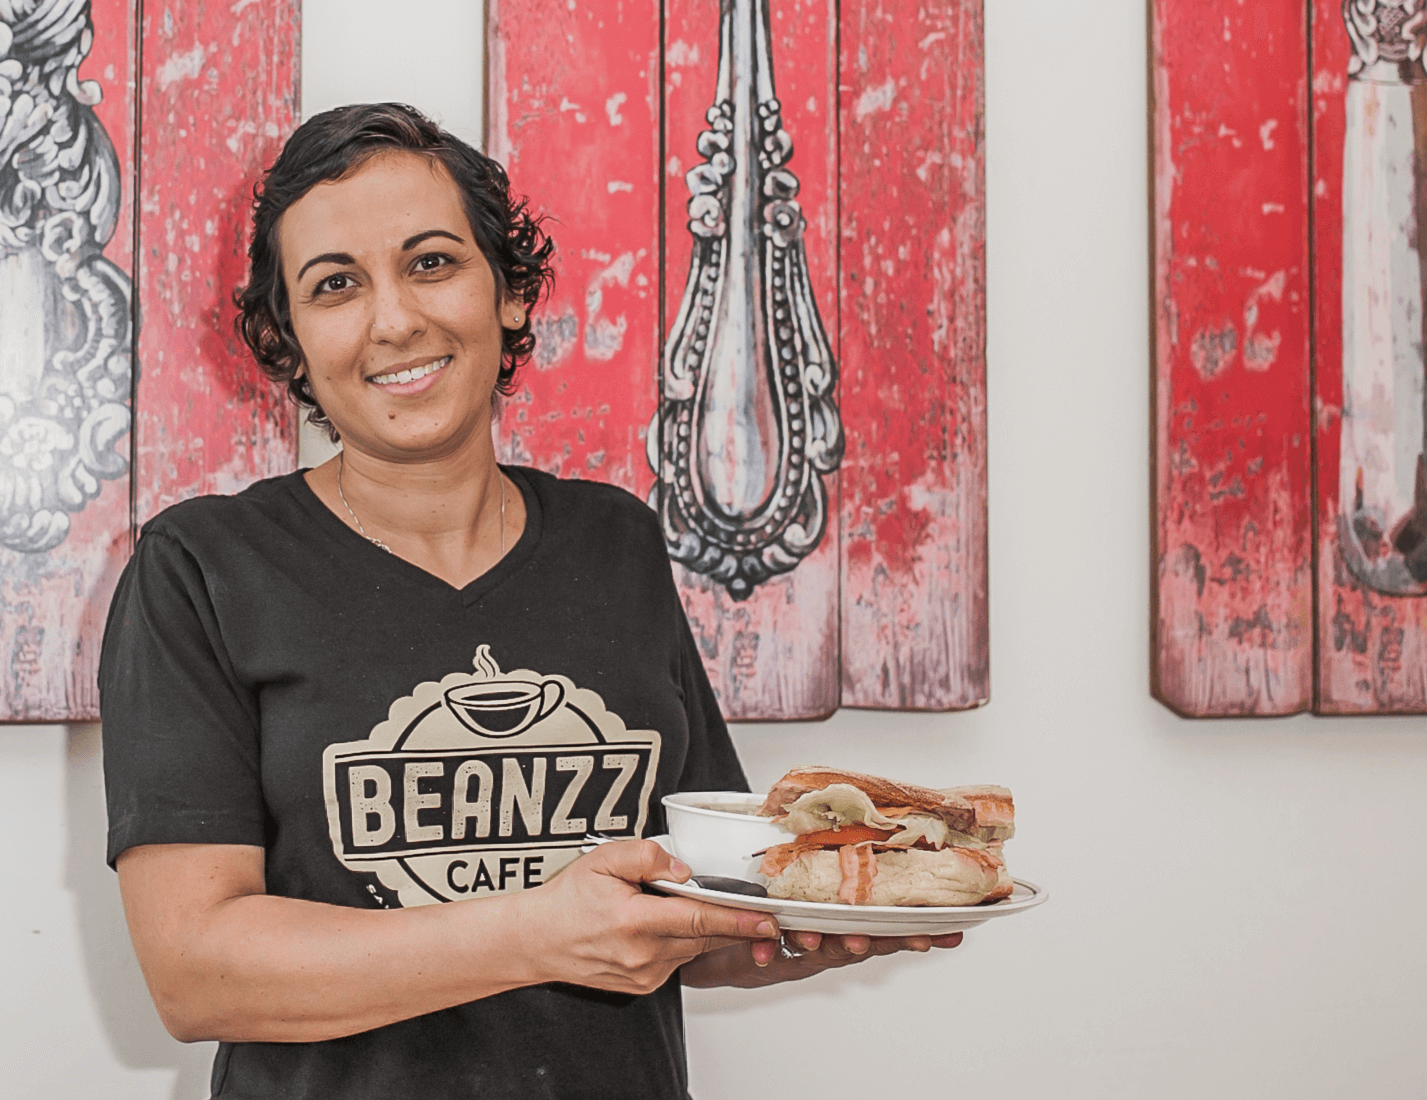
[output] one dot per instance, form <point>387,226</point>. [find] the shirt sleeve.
<point>712,762</point>
<point>180,732</point>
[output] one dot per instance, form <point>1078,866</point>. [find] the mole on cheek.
<point>391,416</point>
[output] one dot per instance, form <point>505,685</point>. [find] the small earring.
<point>519,318</point>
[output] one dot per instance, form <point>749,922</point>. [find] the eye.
<point>432,261</point>
<point>333,284</point>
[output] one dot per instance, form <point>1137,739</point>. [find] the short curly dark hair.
<point>331,146</point>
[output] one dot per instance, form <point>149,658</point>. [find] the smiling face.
<point>395,309</point>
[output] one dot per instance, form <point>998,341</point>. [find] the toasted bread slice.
<point>952,876</point>
<point>959,813</point>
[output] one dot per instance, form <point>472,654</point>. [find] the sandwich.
<point>863,840</point>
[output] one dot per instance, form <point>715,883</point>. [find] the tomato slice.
<point>848,834</point>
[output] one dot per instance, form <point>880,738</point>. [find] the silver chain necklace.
<point>342,465</point>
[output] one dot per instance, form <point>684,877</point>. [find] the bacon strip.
<point>995,811</point>
<point>991,861</point>
<point>859,868</point>
<point>779,858</point>
<point>994,805</point>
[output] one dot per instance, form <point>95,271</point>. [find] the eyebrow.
<point>411,242</point>
<point>325,258</point>
<point>406,246</point>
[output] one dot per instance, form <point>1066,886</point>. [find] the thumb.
<point>638,861</point>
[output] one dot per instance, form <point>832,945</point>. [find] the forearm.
<point>262,968</point>
<point>225,960</point>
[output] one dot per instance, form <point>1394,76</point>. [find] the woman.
<point>409,676</point>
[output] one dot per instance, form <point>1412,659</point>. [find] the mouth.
<point>413,374</point>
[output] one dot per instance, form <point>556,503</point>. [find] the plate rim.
<point>891,914</point>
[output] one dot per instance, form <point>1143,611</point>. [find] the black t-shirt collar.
<point>352,543</point>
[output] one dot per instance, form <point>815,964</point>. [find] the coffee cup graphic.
<point>503,708</point>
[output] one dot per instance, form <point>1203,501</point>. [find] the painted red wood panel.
<point>913,291</point>
<point>220,88</point>
<point>1233,592</point>
<point>65,349</point>
<point>773,655</point>
<point>1368,139</point>
<point>573,114</point>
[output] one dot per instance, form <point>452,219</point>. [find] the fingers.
<point>891,945</point>
<point>638,861</point>
<point>846,948</point>
<point>843,949</point>
<point>916,943</point>
<point>716,925</point>
<point>860,945</point>
<point>802,954</point>
<point>713,926</point>
<point>764,952</point>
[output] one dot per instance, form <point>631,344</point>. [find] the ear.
<point>512,313</point>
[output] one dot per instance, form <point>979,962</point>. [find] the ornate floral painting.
<point>128,150</point>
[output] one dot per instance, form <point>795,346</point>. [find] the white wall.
<point>1236,906</point>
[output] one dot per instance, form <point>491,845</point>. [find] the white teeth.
<point>411,375</point>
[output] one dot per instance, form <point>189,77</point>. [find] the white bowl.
<point>713,840</point>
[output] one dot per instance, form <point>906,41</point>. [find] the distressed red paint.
<point>573,114</point>
<point>1233,583</point>
<point>53,604</point>
<point>219,98</point>
<point>913,390</point>
<point>1372,647</point>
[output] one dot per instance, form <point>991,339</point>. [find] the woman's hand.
<point>592,924</point>
<point>800,955</point>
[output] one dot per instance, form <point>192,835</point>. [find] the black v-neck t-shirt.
<point>271,678</point>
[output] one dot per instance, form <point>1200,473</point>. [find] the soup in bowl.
<point>717,832</point>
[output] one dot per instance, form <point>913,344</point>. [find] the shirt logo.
<point>484,783</point>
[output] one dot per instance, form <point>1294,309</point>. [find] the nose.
<point>395,316</point>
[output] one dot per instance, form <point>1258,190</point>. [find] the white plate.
<point>865,920</point>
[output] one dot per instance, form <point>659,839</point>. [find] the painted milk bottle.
<point>1382,483</point>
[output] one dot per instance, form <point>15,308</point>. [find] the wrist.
<point>521,938</point>
<point>494,946</point>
